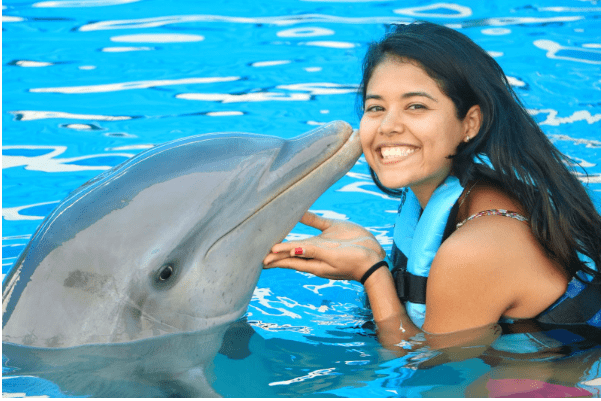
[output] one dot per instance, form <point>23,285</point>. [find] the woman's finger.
<point>305,251</point>
<point>274,256</point>
<point>284,250</point>
<point>315,221</point>
<point>313,266</point>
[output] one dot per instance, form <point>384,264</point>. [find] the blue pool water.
<point>88,84</point>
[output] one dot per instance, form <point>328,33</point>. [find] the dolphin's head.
<point>171,240</point>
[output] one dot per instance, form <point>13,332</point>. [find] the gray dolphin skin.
<point>169,243</point>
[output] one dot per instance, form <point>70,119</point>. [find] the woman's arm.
<point>345,251</point>
<point>393,323</point>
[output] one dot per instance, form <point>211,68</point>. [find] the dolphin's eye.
<point>165,273</point>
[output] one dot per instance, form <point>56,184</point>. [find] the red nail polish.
<point>298,251</point>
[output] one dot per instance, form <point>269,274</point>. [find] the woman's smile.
<point>395,153</point>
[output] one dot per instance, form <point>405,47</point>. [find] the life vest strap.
<point>409,287</point>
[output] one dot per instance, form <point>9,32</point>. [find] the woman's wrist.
<point>380,277</point>
<point>372,269</point>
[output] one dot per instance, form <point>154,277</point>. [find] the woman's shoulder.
<point>498,255</point>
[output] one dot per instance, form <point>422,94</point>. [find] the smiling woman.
<point>442,128</point>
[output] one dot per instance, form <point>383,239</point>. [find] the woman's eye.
<point>374,108</point>
<point>417,107</point>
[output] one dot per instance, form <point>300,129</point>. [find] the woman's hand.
<point>343,251</point>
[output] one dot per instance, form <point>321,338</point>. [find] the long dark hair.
<point>524,162</point>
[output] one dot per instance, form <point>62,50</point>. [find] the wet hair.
<point>514,151</point>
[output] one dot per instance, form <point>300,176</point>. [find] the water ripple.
<point>461,12</point>
<point>504,21</point>
<point>132,85</point>
<point>82,127</point>
<point>457,10</point>
<point>358,187</point>
<point>310,375</point>
<point>280,21</point>
<point>589,143</point>
<point>344,284</point>
<point>10,18</point>
<point>31,115</point>
<point>304,32</point>
<point>14,213</point>
<point>570,9</point>
<point>31,63</point>
<point>49,163</point>
<point>315,88</point>
<point>321,88</point>
<point>246,97</point>
<point>260,297</point>
<point>123,49</point>
<point>270,63</point>
<point>572,53</point>
<point>552,119</point>
<point>276,327</point>
<point>158,38</point>
<point>80,3</point>
<point>330,44</point>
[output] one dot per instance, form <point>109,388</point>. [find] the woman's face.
<point>410,127</point>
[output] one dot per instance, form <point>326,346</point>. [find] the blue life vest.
<point>418,236</point>
<point>416,239</point>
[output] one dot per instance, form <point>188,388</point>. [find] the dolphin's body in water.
<point>143,267</point>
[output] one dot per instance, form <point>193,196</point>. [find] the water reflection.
<point>504,21</point>
<point>82,127</point>
<point>278,21</point>
<point>330,44</point>
<point>319,88</point>
<point>552,119</point>
<point>245,97</point>
<point>80,3</point>
<point>31,115</point>
<point>8,18</point>
<point>572,53</point>
<point>269,63</point>
<point>435,11</point>
<point>49,162</point>
<point>126,49</point>
<point>158,38</point>
<point>14,213</point>
<point>133,85</point>
<point>589,143</point>
<point>304,32</point>
<point>30,63</point>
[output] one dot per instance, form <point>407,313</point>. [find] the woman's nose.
<point>391,124</point>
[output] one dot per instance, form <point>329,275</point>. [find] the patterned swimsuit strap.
<point>494,212</point>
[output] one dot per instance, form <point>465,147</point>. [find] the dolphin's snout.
<point>305,153</point>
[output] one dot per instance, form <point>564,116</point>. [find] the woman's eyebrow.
<point>404,96</point>
<point>424,94</point>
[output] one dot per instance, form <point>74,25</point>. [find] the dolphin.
<point>168,243</point>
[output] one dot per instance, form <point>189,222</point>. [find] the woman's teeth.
<point>396,152</point>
